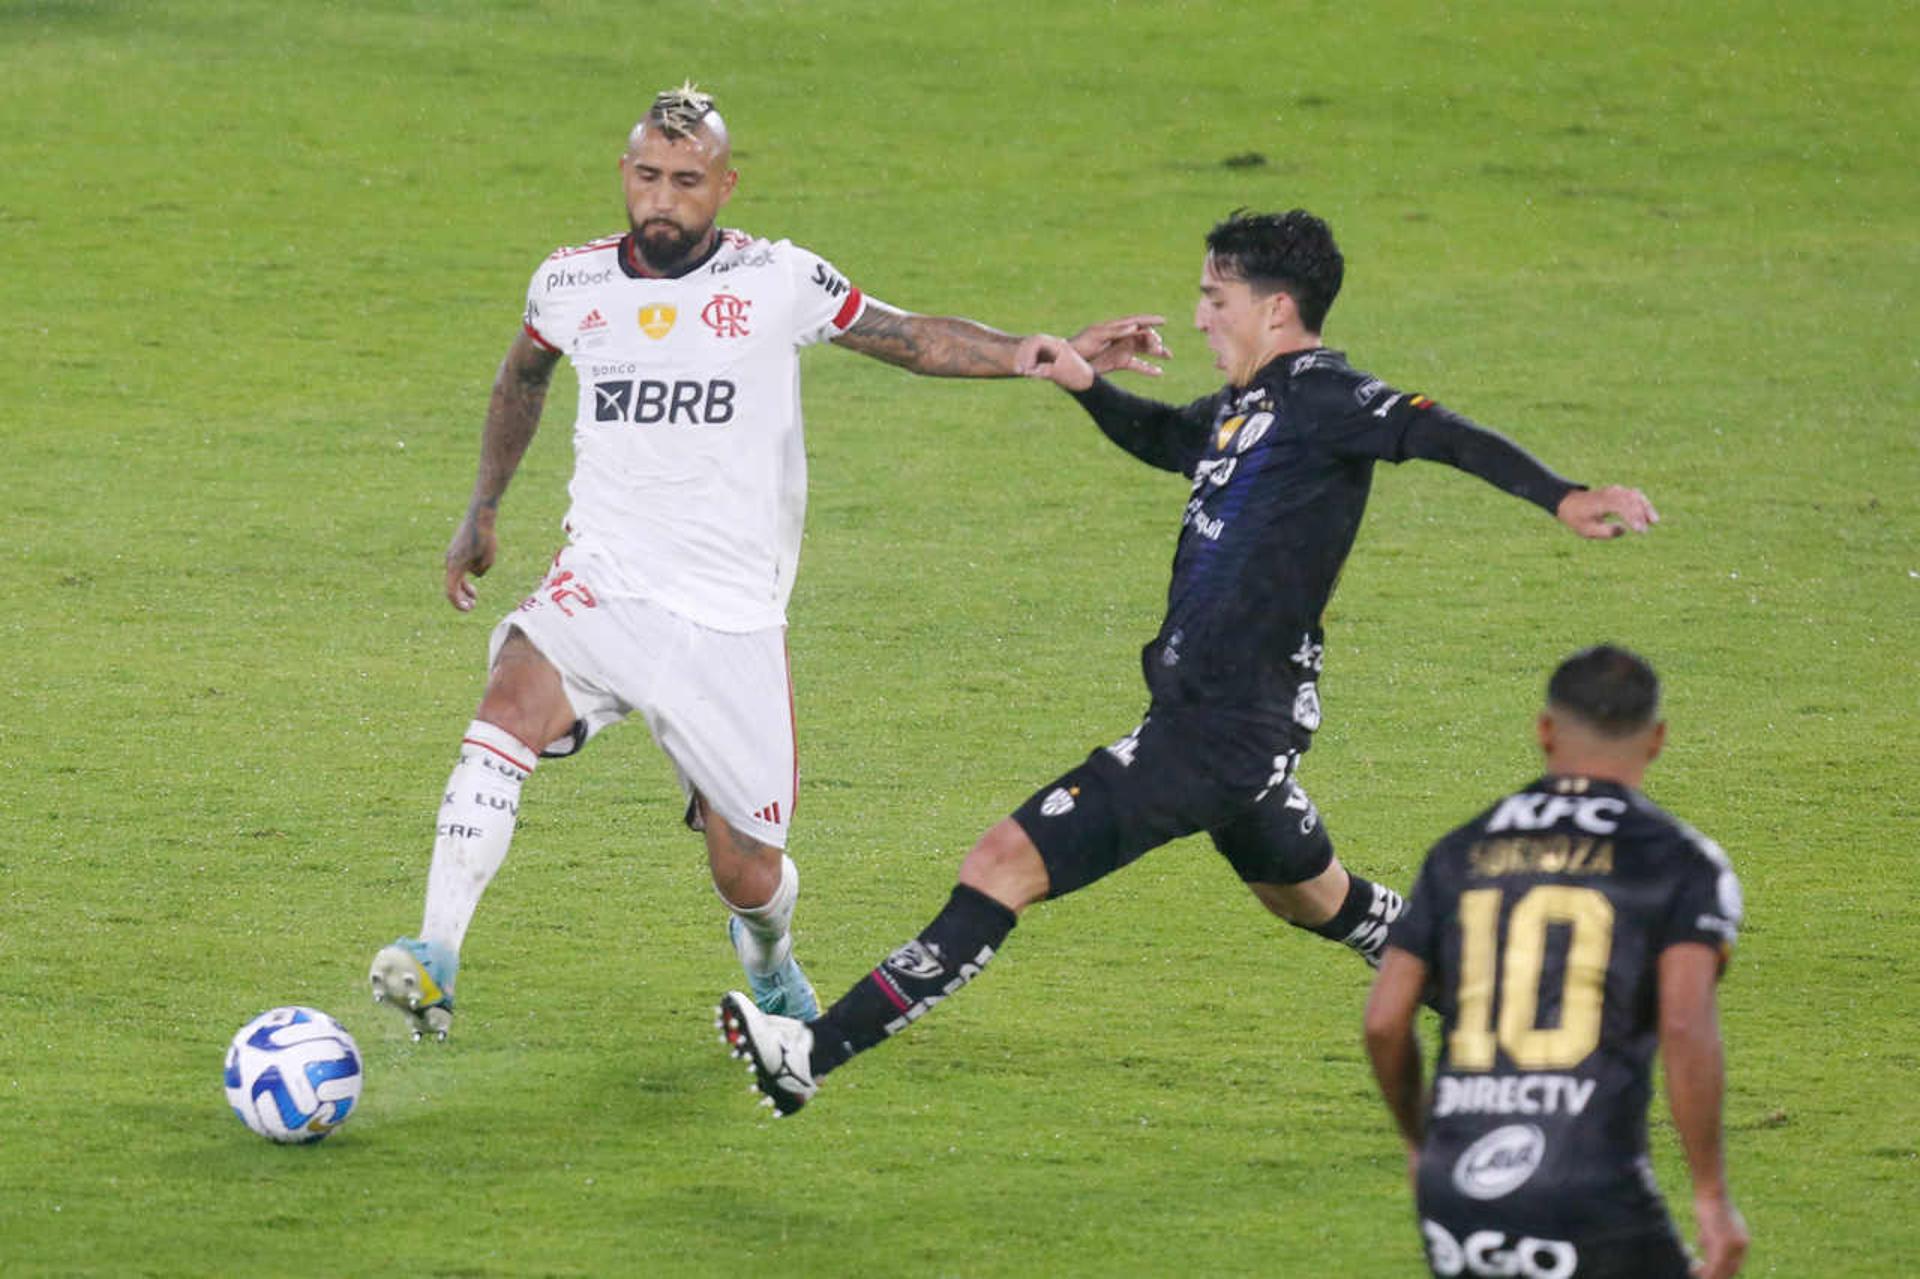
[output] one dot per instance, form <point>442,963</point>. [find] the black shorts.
<point>1182,771</point>
<point>1591,1227</point>
<point>1656,1253</point>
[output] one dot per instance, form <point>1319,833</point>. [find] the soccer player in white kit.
<point>668,600</point>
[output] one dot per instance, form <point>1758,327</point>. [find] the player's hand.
<point>1723,1237</point>
<point>471,551</point>
<point>1054,360</point>
<point>1607,512</point>
<point>1123,344</point>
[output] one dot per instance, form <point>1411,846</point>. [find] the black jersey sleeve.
<point>1436,434</point>
<point>1706,905</point>
<point>1417,930</point>
<point>1168,436</point>
<point>1392,426</point>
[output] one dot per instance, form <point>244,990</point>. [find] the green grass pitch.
<point>257,265</point>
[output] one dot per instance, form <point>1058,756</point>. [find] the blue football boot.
<point>415,979</point>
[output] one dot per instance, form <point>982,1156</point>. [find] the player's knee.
<point>746,873</point>
<point>1310,903</point>
<point>525,695</point>
<point>1006,866</point>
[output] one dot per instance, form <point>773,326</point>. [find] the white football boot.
<point>778,1051</point>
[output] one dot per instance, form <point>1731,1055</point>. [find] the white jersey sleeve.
<point>825,303</point>
<point>530,321</point>
<point>563,274</point>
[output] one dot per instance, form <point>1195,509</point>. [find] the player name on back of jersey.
<point>1550,854</point>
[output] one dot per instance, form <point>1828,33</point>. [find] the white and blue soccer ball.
<point>293,1074</point>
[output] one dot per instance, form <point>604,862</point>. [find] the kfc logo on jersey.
<point>1500,1162</point>
<point>1484,1252</point>
<point>1529,811</point>
<point>656,320</point>
<point>726,315</point>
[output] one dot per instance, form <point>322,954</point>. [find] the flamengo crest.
<point>726,315</point>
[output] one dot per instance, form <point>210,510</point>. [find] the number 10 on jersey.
<point>1515,974</point>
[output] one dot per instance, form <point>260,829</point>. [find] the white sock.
<point>767,940</point>
<point>475,827</point>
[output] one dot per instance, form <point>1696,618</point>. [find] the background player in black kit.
<point>1561,932</point>
<point>1280,460</point>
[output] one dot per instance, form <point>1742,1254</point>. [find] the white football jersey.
<point>690,475</point>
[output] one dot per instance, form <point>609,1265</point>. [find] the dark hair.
<point>1291,253</point>
<point>1610,689</point>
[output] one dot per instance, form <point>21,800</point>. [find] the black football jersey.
<point>1542,922</point>
<point>1280,473</point>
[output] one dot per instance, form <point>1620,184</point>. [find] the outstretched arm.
<point>947,346</point>
<point>1696,1080</point>
<point>1168,436</point>
<point>936,345</point>
<point>1441,435</point>
<point>513,415</point>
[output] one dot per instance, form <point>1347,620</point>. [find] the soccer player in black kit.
<point>1280,462</point>
<point>1561,933</point>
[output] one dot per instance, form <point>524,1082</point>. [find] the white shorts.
<point>719,703</point>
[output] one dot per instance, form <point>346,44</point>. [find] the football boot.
<point>415,979</point>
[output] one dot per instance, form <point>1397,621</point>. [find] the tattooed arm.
<point>513,415</point>
<point>937,345</point>
<point>944,346</point>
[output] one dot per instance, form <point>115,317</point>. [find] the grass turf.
<point>260,263</point>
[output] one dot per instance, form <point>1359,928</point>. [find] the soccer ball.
<point>293,1074</point>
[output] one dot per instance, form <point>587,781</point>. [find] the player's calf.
<point>1359,921</point>
<point>1364,916</point>
<point>915,978</point>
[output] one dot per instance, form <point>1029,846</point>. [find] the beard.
<point>664,245</point>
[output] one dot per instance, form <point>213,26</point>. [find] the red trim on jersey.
<point>592,246</point>
<point>848,309</point>
<point>793,727</point>
<point>487,746</point>
<point>538,341</point>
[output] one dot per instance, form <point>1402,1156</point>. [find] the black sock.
<point>1361,922</point>
<point>947,955</point>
